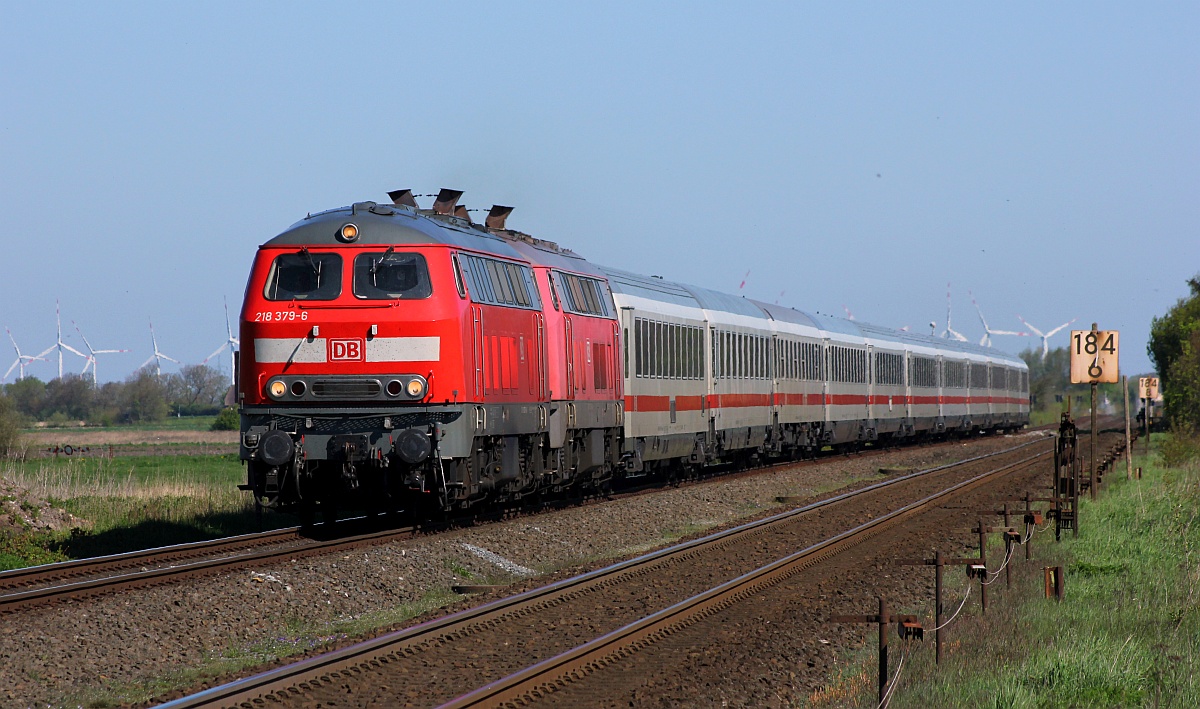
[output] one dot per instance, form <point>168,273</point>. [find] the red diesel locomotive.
<point>414,358</point>
<point>404,352</point>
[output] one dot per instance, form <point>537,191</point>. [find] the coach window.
<point>681,333</point>
<point>741,353</point>
<point>642,345</point>
<point>676,353</point>
<point>391,275</point>
<point>672,350</point>
<point>303,275</point>
<point>735,355</point>
<point>668,350</point>
<point>657,349</point>
<point>665,338</point>
<point>716,355</point>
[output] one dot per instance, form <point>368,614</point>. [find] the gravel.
<point>134,645</point>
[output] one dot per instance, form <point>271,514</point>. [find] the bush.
<point>227,420</point>
<point>1181,445</point>
<point>10,426</point>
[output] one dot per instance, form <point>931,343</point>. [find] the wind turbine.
<point>158,356</point>
<point>59,344</point>
<point>231,343</point>
<point>986,340</point>
<point>91,356</point>
<point>1045,336</point>
<point>21,360</point>
<point>949,330</point>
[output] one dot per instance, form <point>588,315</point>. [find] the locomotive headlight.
<point>416,387</point>
<point>276,389</point>
<point>348,233</point>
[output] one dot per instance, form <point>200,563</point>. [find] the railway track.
<point>70,580</point>
<point>578,622</point>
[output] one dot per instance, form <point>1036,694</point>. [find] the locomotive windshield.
<point>391,275</point>
<point>304,276</point>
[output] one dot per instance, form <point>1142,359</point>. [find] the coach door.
<point>941,385</point>
<point>908,395</point>
<point>774,370</point>
<point>827,358</point>
<point>870,374</point>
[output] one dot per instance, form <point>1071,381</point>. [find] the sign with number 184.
<point>1094,356</point>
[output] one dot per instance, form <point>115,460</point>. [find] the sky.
<point>861,156</point>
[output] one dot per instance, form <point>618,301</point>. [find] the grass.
<point>1125,635</point>
<point>132,502</point>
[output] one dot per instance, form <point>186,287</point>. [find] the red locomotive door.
<point>615,362</point>
<point>477,346</point>
<point>539,357</point>
<point>569,345</point>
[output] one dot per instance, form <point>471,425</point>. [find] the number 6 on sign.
<point>1094,356</point>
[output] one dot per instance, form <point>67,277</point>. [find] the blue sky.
<point>1041,155</point>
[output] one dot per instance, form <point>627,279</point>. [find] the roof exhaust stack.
<point>497,217</point>
<point>446,201</point>
<point>403,198</point>
<point>461,212</point>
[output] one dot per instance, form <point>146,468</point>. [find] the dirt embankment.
<point>79,437</point>
<point>22,512</point>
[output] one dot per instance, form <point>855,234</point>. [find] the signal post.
<point>1094,360</point>
<point>1147,392</point>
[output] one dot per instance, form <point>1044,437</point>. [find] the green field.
<point>170,423</point>
<point>132,502</point>
<point>1125,635</point>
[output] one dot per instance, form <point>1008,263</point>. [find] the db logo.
<point>346,350</point>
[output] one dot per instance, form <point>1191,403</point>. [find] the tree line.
<point>1175,350</point>
<point>143,397</point>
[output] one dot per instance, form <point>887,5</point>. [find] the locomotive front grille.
<point>339,425</point>
<point>346,388</point>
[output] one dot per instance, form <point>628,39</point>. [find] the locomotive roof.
<point>389,225</point>
<point>548,254</point>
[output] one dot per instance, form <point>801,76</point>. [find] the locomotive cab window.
<point>391,275</point>
<point>304,276</point>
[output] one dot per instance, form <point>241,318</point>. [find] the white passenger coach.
<point>712,377</point>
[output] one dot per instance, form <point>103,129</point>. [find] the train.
<point>398,357</point>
